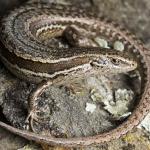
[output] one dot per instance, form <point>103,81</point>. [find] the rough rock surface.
<point>134,15</point>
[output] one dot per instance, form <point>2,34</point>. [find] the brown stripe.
<point>49,68</point>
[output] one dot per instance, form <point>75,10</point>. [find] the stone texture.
<point>133,15</point>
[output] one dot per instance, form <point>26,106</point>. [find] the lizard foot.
<point>32,116</point>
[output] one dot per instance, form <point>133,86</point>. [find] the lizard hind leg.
<point>33,117</point>
<point>33,110</point>
<point>32,114</point>
<point>78,37</point>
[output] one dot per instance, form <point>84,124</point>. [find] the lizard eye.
<point>115,61</point>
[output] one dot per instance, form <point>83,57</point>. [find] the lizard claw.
<point>32,116</point>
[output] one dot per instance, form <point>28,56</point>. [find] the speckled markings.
<point>20,44</point>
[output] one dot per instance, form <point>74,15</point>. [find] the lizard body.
<point>22,33</point>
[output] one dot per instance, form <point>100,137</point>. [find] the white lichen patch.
<point>90,107</point>
<point>100,89</point>
<point>125,115</point>
<point>124,94</point>
<point>101,93</point>
<point>95,96</point>
<point>101,42</point>
<point>118,46</point>
<point>145,123</point>
<point>120,107</point>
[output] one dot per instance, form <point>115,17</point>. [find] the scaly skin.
<point>22,32</point>
<point>25,30</point>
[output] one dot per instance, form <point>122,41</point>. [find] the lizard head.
<point>115,63</point>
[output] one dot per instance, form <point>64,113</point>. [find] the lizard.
<point>27,57</point>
